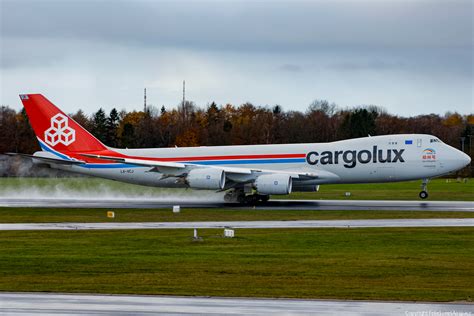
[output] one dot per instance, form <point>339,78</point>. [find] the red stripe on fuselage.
<point>111,153</point>
<point>231,157</point>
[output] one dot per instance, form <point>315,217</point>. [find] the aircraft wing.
<point>164,164</point>
<point>178,167</point>
<point>157,165</point>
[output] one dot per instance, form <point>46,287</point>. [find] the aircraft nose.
<point>458,159</point>
<point>466,160</point>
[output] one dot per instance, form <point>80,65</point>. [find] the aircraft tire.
<point>251,199</point>
<point>423,195</point>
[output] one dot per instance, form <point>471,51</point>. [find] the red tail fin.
<point>55,129</point>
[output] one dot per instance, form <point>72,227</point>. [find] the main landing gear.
<point>239,196</point>
<point>255,198</point>
<point>424,189</point>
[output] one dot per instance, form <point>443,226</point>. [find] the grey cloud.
<point>78,49</point>
<point>246,25</point>
<point>375,65</point>
<point>31,52</point>
<point>291,68</point>
<point>45,31</point>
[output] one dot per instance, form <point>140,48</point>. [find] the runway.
<point>361,223</point>
<point>73,304</point>
<point>348,205</point>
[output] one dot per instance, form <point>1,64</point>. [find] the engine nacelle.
<point>306,188</point>
<point>274,184</point>
<point>206,179</point>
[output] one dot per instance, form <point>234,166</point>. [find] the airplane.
<point>248,174</point>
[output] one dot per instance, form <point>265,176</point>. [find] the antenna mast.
<point>184,99</point>
<point>144,100</point>
<point>184,92</point>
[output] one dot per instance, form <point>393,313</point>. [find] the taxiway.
<point>360,223</point>
<point>73,304</point>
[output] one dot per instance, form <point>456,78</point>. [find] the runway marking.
<point>80,304</point>
<point>361,223</point>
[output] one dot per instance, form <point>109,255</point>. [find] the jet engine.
<point>306,188</point>
<point>206,179</point>
<point>273,184</point>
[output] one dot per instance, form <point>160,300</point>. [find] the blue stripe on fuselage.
<point>109,165</point>
<point>213,162</point>
<point>46,148</point>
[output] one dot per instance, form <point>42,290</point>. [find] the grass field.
<point>426,264</point>
<point>57,215</point>
<point>430,264</point>
<point>439,189</point>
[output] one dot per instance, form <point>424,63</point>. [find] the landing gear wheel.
<point>423,195</point>
<point>234,196</point>
<point>424,189</point>
<point>264,198</point>
<point>251,199</point>
<point>241,198</point>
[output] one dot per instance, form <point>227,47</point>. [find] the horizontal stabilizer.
<point>47,159</point>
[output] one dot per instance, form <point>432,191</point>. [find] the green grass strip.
<point>422,264</point>
<point>58,215</point>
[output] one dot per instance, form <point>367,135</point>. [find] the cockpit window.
<point>435,140</point>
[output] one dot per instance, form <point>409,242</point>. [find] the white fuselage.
<point>363,160</point>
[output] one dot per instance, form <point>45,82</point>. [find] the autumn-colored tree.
<point>126,128</point>
<point>214,125</point>
<point>188,138</point>
<point>111,124</point>
<point>322,122</point>
<point>83,120</point>
<point>8,125</point>
<point>99,125</point>
<point>470,119</point>
<point>359,123</point>
<point>190,125</point>
<point>452,119</point>
<point>25,138</point>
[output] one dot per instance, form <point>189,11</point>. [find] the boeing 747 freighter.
<point>247,173</point>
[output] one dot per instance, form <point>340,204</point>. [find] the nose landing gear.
<point>424,189</point>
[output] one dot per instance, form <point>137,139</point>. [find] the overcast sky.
<point>409,56</point>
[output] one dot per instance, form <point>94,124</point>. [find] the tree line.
<point>214,125</point>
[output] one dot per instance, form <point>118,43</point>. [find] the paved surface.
<point>416,205</point>
<point>448,222</point>
<point>70,304</point>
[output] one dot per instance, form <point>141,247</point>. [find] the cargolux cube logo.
<point>59,132</point>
